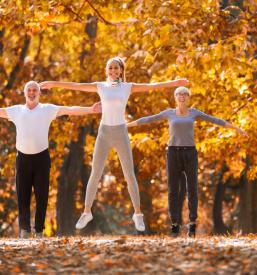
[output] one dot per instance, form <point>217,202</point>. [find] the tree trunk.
<point>18,66</point>
<point>248,202</point>
<point>219,226</point>
<point>73,169</point>
<point>70,175</point>
<point>146,203</point>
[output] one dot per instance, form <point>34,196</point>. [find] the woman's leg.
<point>191,170</point>
<point>174,172</point>
<point>122,145</point>
<point>100,154</point>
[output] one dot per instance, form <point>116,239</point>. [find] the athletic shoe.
<point>139,221</point>
<point>191,229</point>
<point>39,235</point>
<point>24,234</point>
<point>175,228</point>
<point>84,219</point>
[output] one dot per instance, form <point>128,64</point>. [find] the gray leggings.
<point>117,137</point>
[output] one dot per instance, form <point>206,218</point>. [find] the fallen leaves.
<point>129,254</point>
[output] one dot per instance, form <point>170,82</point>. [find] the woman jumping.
<point>114,94</point>
<point>182,155</point>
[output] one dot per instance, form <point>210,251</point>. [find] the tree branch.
<point>17,67</point>
<point>99,15</point>
<point>2,32</point>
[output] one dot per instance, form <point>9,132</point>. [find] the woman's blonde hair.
<point>121,63</point>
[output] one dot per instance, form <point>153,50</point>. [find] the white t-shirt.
<point>114,100</point>
<point>32,126</point>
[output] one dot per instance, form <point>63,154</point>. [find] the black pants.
<point>32,171</point>
<point>179,160</point>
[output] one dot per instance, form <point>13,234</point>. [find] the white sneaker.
<point>84,219</point>
<point>139,222</point>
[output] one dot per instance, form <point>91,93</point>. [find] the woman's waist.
<point>105,126</point>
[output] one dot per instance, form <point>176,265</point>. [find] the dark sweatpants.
<point>181,159</point>
<point>32,170</point>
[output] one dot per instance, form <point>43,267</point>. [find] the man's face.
<point>32,94</point>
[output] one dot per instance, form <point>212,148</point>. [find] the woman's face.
<point>113,71</point>
<point>182,98</point>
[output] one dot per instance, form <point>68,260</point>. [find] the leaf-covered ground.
<point>129,255</point>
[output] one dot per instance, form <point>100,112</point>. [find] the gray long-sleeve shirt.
<point>181,128</point>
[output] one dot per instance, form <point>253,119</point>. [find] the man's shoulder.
<point>48,106</point>
<point>15,107</point>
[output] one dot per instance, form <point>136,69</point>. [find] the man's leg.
<point>41,175</point>
<point>24,188</point>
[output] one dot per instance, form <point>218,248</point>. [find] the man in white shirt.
<point>32,121</point>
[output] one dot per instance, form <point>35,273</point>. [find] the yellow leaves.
<point>205,58</point>
<point>211,73</point>
<point>149,58</point>
<point>242,89</point>
<point>147,32</point>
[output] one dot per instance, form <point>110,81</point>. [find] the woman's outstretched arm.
<point>148,119</point>
<point>85,87</point>
<point>220,122</point>
<point>79,111</point>
<point>144,87</point>
<point>239,130</point>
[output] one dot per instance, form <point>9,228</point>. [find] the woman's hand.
<point>131,124</point>
<point>242,132</point>
<point>239,130</point>
<point>182,82</point>
<point>46,85</point>
<point>97,107</point>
